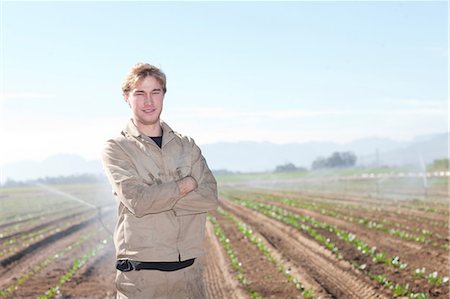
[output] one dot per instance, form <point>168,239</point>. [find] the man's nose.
<point>148,99</point>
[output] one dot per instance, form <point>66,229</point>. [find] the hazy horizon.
<point>253,156</point>
<point>413,138</point>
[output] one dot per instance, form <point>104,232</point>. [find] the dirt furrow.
<point>34,215</point>
<point>413,253</point>
<point>261,275</point>
<point>304,276</point>
<point>45,242</point>
<point>46,277</point>
<point>306,280</point>
<point>40,226</point>
<point>336,276</point>
<point>390,207</point>
<point>219,281</point>
<point>95,280</point>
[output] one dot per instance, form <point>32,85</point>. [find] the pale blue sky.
<point>263,71</point>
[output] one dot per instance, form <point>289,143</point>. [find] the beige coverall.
<point>156,224</point>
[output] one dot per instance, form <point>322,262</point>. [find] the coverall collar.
<point>168,133</point>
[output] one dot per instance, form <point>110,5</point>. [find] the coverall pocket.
<point>125,284</point>
<point>138,231</point>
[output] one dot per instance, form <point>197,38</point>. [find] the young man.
<point>163,188</point>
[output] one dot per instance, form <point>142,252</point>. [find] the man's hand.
<point>186,185</point>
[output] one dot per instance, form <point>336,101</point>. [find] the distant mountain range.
<point>250,156</point>
<point>262,156</point>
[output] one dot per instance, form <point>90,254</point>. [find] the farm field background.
<point>285,235</point>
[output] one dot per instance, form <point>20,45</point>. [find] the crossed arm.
<point>203,198</point>
<point>193,194</point>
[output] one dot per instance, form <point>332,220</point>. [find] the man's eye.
<point>156,92</point>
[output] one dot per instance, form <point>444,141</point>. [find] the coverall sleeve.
<point>140,197</point>
<point>204,197</point>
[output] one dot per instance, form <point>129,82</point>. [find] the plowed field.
<point>261,243</point>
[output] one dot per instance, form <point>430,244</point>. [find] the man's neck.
<point>153,130</point>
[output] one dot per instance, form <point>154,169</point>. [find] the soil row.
<point>330,276</point>
<point>411,254</point>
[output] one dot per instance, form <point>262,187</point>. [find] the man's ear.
<point>125,98</point>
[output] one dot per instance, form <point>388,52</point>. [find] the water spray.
<point>77,199</point>
<point>424,176</point>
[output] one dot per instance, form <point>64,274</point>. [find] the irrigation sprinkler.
<point>77,199</point>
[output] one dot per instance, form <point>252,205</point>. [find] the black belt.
<point>127,265</point>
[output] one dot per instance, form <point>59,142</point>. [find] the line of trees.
<point>439,165</point>
<point>336,160</point>
<point>289,167</point>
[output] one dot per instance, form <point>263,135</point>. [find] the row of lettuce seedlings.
<point>9,290</point>
<point>441,224</point>
<point>23,241</point>
<point>319,207</point>
<point>261,246</point>
<point>34,220</point>
<point>300,222</point>
<point>77,264</point>
<point>423,236</point>
<point>236,265</point>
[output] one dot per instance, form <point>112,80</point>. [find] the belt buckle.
<point>125,265</point>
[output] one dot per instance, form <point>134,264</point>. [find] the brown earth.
<point>96,278</point>
<point>414,254</point>
<point>336,278</point>
<point>260,274</point>
<point>316,267</point>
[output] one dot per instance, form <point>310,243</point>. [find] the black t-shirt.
<point>157,140</point>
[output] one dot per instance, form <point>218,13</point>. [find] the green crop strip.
<point>39,234</point>
<point>324,205</point>
<point>12,288</point>
<point>422,237</point>
<point>29,220</point>
<point>23,241</point>
<point>379,257</point>
<point>292,219</point>
<point>76,265</point>
<point>248,233</point>
<point>301,222</point>
<point>398,289</point>
<point>224,241</point>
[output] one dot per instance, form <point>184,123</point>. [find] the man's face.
<point>146,101</point>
